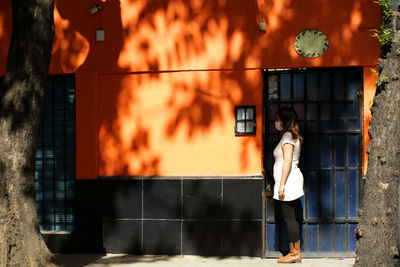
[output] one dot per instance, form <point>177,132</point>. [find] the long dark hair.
<point>289,119</point>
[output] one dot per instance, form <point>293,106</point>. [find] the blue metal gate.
<point>328,102</point>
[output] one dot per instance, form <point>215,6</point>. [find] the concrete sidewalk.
<point>118,260</point>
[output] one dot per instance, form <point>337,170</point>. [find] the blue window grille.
<point>55,156</point>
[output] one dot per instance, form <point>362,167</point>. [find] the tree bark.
<point>376,234</point>
<point>21,112</point>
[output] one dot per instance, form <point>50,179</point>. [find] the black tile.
<point>202,238</point>
<point>162,237</point>
<point>202,199</point>
<point>87,237</point>
<point>122,236</point>
<point>242,198</point>
<point>162,199</point>
<point>57,243</point>
<point>122,199</point>
<point>87,200</point>
<point>242,238</point>
<point>92,226</point>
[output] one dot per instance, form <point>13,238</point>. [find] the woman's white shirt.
<point>294,182</point>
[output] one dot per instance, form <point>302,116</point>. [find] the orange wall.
<point>346,23</point>
<point>133,118</point>
<point>177,123</point>
<point>370,79</point>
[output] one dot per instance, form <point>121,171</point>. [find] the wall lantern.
<point>245,120</point>
<point>100,33</point>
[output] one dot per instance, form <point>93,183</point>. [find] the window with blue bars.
<point>55,156</point>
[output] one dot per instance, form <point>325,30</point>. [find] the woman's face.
<point>278,123</point>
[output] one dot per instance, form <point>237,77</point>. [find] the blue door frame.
<point>328,102</point>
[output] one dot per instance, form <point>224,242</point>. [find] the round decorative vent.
<point>311,43</point>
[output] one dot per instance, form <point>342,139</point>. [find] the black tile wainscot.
<point>211,216</point>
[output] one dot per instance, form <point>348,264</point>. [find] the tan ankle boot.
<point>294,254</point>
<point>297,251</point>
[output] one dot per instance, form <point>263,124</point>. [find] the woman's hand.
<point>281,191</point>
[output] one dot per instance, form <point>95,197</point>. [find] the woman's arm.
<point>287,164</point>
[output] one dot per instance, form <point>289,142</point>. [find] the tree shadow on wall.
<point>189,103</point>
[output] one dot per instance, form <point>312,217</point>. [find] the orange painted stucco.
<point>157,97</point>
<point>370,79</point>
<point>176,123</point>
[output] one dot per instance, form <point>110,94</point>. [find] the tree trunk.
<point>21,112</point>
<point>376,233</point>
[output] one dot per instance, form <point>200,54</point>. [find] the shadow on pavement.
<point>78,260</point>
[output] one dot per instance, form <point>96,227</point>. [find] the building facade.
<point>159,122</point>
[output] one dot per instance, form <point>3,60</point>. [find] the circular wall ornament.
<point>311,43</point>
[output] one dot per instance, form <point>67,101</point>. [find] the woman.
<point>288,178</point>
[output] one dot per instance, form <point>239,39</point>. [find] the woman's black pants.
<point>287,210</point>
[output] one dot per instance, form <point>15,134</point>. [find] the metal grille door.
<point>328,102</point>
